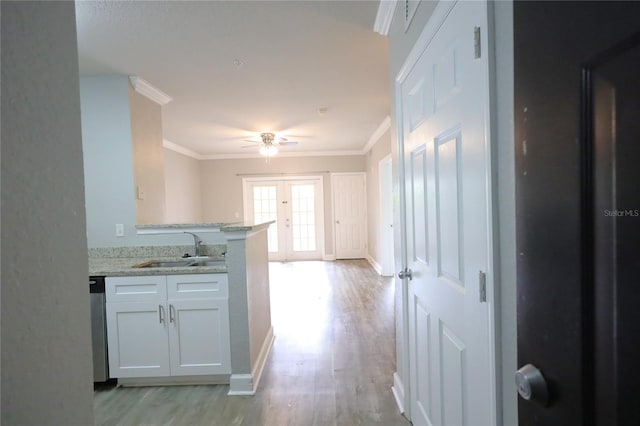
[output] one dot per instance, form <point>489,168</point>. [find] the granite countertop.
<point>246,226</point>
<point>203,227</point>
<point>120,261</point>
<point>185,225</point>
<point>124,266</point>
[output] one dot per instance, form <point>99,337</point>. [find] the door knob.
<point>405,273</point>
<point>531,385</point>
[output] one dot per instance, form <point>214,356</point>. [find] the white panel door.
<point>138,339</point>
<point>297,207</point>
<point>444,108</point>
<point>199,337</point>
<point>350,215</point>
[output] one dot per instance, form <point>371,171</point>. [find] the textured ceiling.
<point>296,56</point>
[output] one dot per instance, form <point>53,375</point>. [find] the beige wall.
<point>222,183</point>
<point>148,158</point>
<point>381,149</point>
<point>183,197</point>
<point>46,340</point>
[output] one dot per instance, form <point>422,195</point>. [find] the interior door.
<point>350,215</point>
<point>577,201</point>
<point>297,207</point>
<point>444,108</point>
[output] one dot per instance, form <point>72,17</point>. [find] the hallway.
<point>332,361</point>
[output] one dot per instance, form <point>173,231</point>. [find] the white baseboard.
<point>398,392</point>
<point>241,384</point>
<point>247,384</point>
<point>375,264</point>
<point>174,380</point>
<point>265,350</point>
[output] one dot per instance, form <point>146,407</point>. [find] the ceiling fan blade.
<point>289,143</point>
<point>249,140</point>
<point>249,146</point>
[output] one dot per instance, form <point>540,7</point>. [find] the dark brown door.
<point>577,128</point>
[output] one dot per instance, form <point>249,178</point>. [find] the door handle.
<point>406,273</point>
<point>531,385</point>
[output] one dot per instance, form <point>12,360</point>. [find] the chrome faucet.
<point>197,242</point>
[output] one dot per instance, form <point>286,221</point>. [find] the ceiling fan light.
<point>268,151</point>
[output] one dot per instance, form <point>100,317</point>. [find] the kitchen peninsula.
<point>226,281</point>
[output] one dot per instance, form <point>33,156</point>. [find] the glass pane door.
<point>303,217</point>
<point>265,208</point>
<point>297,208</point>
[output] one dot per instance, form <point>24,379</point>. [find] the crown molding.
<point>386,10</point>
<point>181,150</point>
<point>377,134</point>
<point>145,88</point>
<point>189,153</point>
<point>281,154</point>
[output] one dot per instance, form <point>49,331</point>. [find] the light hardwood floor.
<point>332,360</point>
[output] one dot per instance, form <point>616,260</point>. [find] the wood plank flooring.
<point>332,360</point>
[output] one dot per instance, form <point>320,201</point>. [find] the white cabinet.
<point>175,325</point>
<point>198,332</point>
<point>137,340</point>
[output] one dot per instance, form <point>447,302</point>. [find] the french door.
<point>296,205</point>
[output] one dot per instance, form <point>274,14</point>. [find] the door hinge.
<point>482,280</point>
<point>477,43</point>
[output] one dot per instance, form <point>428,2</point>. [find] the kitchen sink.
<point>159,264</point>
<point>208,263</point>
<point>178,263</point>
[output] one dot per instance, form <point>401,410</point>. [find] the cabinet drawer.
<point>151,288</point>
<point>197,286</point>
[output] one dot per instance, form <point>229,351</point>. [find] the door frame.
<point>401,387</point>
<point>246,184</point>
<point>386,216</point>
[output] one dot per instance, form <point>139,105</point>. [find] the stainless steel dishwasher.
<point>99,330</point>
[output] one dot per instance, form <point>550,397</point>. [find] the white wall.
<point>183,192</point>
<point>108,158</point>
<point>46,347</point>
<point>381,149</point>
<point>108,162</point>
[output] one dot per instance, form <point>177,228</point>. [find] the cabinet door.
<point>197,286</point>
<point>152,288</point>
<point>199,337</point>
<point>137,334</point>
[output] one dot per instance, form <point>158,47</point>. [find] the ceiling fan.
<point>270,143</point>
